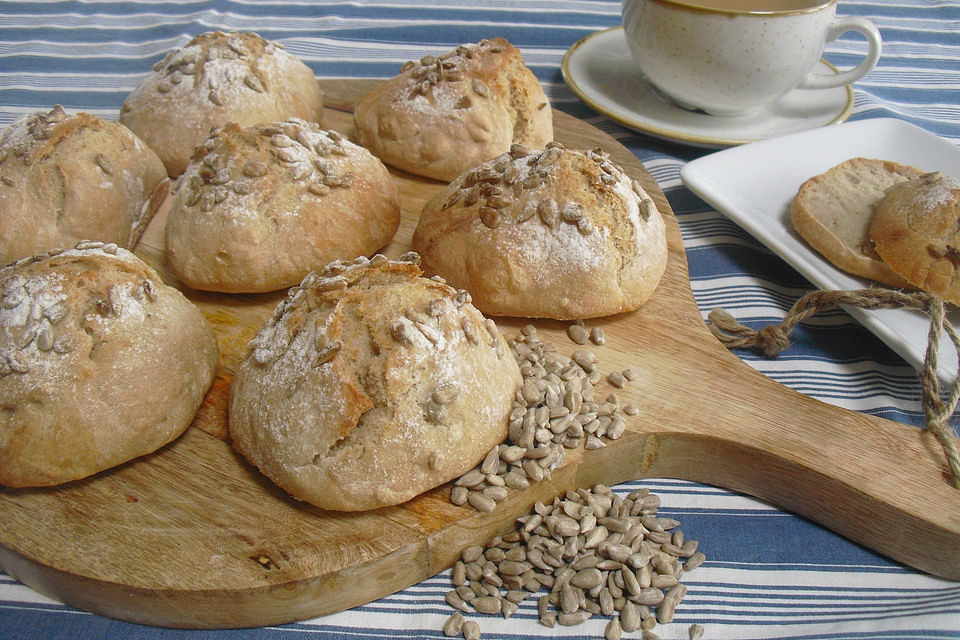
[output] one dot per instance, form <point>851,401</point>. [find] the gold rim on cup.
<point>748,7</point>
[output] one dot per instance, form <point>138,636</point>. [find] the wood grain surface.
<point>192,536</point>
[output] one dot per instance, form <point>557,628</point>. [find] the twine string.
<point>774,338</point>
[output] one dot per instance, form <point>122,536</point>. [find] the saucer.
<point>602,73</point>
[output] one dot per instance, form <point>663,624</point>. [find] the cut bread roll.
<point>833,211</point>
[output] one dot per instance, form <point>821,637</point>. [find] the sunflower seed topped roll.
<point>100,362</point>
<point>551,234</point>
<point>214,79</point>
<point>68,177</point>
<point>444,114</point>
<point>370,385</point>
<point>261,207</point>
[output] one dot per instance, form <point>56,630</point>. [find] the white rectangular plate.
<point>754,184</point>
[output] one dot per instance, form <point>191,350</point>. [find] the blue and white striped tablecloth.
<point>770,574</point>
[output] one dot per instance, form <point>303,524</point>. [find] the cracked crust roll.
<point>445,114</point>
<point>263,206</point>
<point>100,363</point>
<point>832,212</point>
<point>557,234</point>
<point>214,79</point>
<point>917,232</point>
<point>370,385</point>
<point>69,177</point>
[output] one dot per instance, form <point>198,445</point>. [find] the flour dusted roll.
<point>916,231</point>
<point>263,206</point>
<point>214,79</point>
<point>445,114</point>
<point>554,234</point>
<point>68,177</point>
<point>100,362</point>
<point>370,385</point>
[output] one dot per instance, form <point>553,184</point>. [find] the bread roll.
<point>263,206</point>
<point>555,234</point>
<point>100,362</point>
<point>64,178</point>
<point>832,212</point>
<point>443,115</point>
<point>917,232</point>
<point>370,385</point>
<point>214,79</point>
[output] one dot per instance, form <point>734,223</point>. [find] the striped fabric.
<point>769,574</point>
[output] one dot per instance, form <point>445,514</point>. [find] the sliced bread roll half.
<point>832,212</point>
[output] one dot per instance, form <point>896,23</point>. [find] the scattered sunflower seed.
<point>453,625</point>
<point>617,379</point>
<point>486,604</point>
<point>455,601</point>
<point>630,617</point>
<point>578,333</point>
<point>613,630</point>
<point>481,502</point>
<point>471,630</point>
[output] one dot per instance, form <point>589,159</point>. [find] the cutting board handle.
<point>878,482</point>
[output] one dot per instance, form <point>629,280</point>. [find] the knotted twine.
<point>774,338</point>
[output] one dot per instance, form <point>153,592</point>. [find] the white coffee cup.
<point>732,57</point>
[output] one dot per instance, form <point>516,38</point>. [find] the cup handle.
<point>838,27</point>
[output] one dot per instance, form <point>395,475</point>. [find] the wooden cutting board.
<point>193,536</point>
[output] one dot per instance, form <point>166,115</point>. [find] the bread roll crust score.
<point>263,206</point>
<point>371,385</point>
<point>214,79</point>
<point>100,362</point>
<point>555,234</point>
<point>67,177</point>
<point>443,115</point>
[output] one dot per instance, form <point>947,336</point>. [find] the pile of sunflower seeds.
<point>596,552</point>
<point>553,410</point>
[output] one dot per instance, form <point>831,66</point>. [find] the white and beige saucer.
<point>601,72</point>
